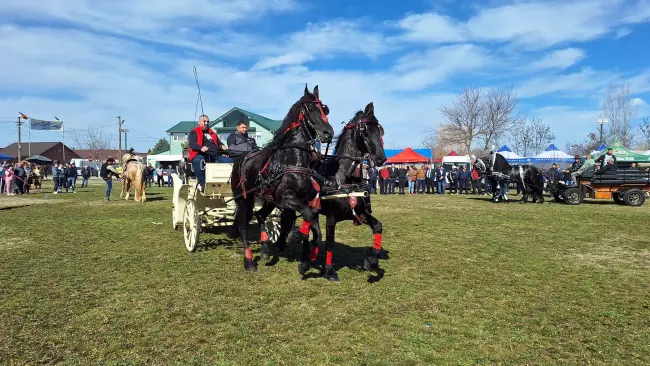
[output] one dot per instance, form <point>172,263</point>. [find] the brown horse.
<point>133,174</point>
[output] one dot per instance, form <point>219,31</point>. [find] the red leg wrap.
<point>377,241</point>
<point>264,237</point>
<point>304,228</point>
<point>328,258</point>
<point>313,253</point>
<point>249,254</point>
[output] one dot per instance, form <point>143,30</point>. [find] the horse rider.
<point>239,144</point>
<point>204,146</point>
<point>106,172</point>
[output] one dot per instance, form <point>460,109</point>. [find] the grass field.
<point>83,281</point>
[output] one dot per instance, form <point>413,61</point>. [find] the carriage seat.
<point>621,176</point>
<point>217,173</point>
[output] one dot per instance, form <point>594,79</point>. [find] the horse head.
<point>368,136</point>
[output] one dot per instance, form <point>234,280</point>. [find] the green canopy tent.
<point>39,159</point>
<point>624,154</point>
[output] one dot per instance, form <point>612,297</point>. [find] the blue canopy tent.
<point>552,155</point>
<point>512,157</point>
<point>6,157</point>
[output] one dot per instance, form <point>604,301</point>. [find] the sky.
<point>87,62</point>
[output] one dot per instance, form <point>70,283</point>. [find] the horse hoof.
<point>250,265</point>
<point>266,251</point>
<point>370,263</point>
<point>303,267</point>
<point>330,274</point>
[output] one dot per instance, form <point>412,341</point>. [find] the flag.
<point>38,124</point>
<point>24,116</point>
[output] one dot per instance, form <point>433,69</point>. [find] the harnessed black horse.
<point>280,174</point>
<point>499,172</point>
<point>361,139</point>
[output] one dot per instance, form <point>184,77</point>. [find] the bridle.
<point>308,123</point>
<point>361,134</point>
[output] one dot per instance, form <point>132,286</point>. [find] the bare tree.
<point>464,118</point>
<point>531,137</point>
<point>581,148</point>
<point>619,109</point>
<point>392,145</point>
<point>644,129</point>
<point>434,141</point>
<point>541,135</point>
<point>94,140</point>
<point>521,136</point>
<point>499,115</point>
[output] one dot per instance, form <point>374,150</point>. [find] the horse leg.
<point>244,209</point>
<point>372,260</point>
<point>328,270</point>
<point>290,201</point>
<point>287,218</point>
<point>143,189</point>
<point>261,217</point>
<point>310,252</point>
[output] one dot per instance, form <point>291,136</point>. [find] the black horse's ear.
<point>316,92</point>
<point>370,109</point>
<point>306,90</point>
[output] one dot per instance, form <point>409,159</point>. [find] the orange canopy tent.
<point>408,156</point>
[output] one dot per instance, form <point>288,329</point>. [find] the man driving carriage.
<point>204,146</point>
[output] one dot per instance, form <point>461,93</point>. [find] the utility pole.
<point>601,122</point>
<point>126,142</point>
<point>19,147</point>
<point>119,137</point>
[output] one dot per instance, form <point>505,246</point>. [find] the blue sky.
<point>88,62</point>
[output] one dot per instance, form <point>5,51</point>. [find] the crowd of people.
<point>405,179</point>
<point>18,178</point>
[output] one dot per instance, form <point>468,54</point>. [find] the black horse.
<point>499,172</point>
<point>361,139</point>
<point>280,174</point>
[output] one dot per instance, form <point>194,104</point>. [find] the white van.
<point>80,163</point>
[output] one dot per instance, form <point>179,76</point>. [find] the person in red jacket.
<point>204,146</point>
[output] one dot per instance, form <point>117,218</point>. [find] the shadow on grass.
<point>345,256</point>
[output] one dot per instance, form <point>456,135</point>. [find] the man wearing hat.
<point>106,172</point>
<point>575,166</point>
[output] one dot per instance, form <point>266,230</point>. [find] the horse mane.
<point>339,141</point>
<point>291,117</point>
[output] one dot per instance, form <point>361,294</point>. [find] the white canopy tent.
<point>552,155</point>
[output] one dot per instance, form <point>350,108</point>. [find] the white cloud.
<point>559,59</point>
<point>534,24</point>
<point>580,84</point>
<point>637,102</point>
<point>292,58</point>
<point>89,76</point>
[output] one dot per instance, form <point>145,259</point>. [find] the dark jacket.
<point>240,144</point>
<point>372,173</point>
<point>463,175</point>
<point>85,172</point>
<point>440,175</point>
<point>71,172</point>
<point>401,174</point>
<point>392,172</point>
<point>602,162</point>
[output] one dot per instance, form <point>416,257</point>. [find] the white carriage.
<point>196,211</point>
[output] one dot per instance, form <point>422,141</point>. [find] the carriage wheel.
<point>634,197</point>
<point>557,198</point>
<point>191,225</point>
<point>573,196</point>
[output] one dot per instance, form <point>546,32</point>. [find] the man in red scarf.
<point>204,145</point>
